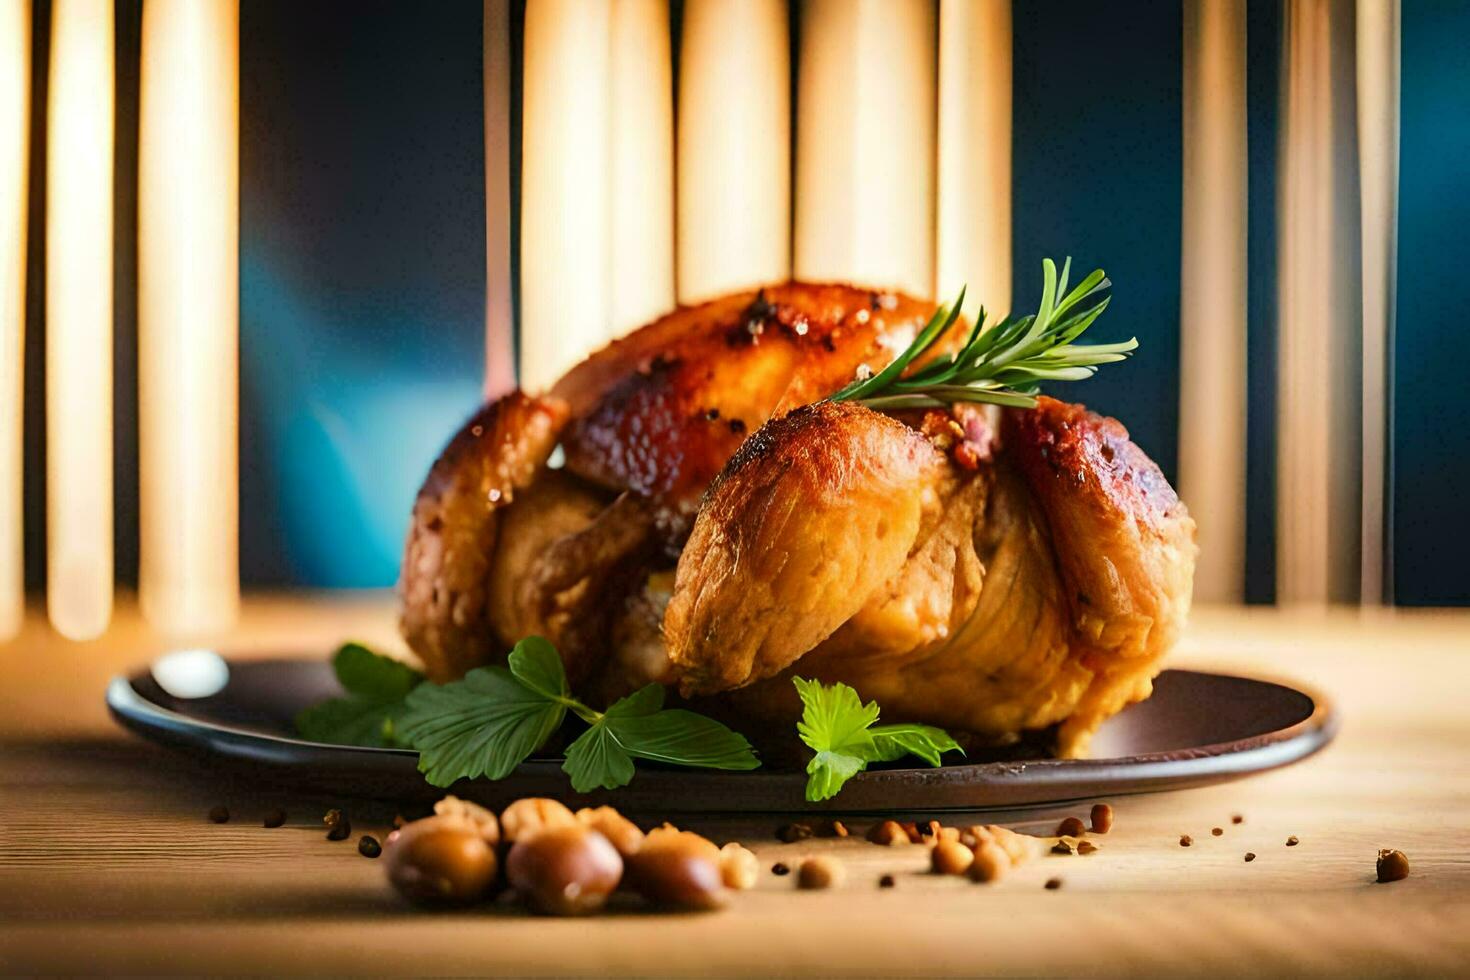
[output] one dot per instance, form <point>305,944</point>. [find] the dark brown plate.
<point>1198,728</point>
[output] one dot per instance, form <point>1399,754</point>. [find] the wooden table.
<point>107,862</point>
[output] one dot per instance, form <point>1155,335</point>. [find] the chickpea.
<point>440,860</point>
<point>1392,865</point>
<point>621,832</point>
<point>888,833</point>
<point>1071,827</point>
<point>1102,818</point>
<point>482,819</point>
<point>950,857</point>
<point>533,814</point>
<point>678,869</point>
<point>820,872</point>
<point>564,870</point>
<point>739,867</point>
<point>991,862</point>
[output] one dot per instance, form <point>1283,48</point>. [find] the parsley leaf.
<point>638,727</point>
<point>376,686</point>
<point>839,728</point>
<point>492,720</point>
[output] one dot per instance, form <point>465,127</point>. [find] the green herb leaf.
<point>484,725</point>
<point>537,665</point>
<point>839,728</point>
<point>372,675</point>
<point>638,727</point>
<point>376,686</point>
<point>1002,364</point>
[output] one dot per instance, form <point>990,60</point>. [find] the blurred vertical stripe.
<point>1319,458</point>
<point>15,121</point>
<point>973,198</point>
<point>500,363</point>
<point>1212,379</point>
<point>1378,168</point>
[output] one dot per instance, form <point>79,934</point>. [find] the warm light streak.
<point>1318,477</point>
<point>641,165</point>
<point>564,187</point>
<point>188,314</point>
<point>500,368</point>
<point>865,143</point>
<point>1212,325</point>
<point>1378,168</point>
<point>15,83</point>
<point>734,159</point>
<point>973,215</point>
<point>79,156</point>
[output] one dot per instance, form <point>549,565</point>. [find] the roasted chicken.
<point>719,527</point>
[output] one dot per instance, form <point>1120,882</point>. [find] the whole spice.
<point>1392,865</point>
<point>1237,818</point>
<point>792,832</point>
<point>440,860</point>
<point>1250,856</point>
<point>1052,884</point>
<point>950,858</point>
<point>274,818</point>
<point>678,869</point>
<point>1071,827</point>
<point>1293,841</point>
<point>369,847</point>
<point>1102,818</point>
<point>738,866</point>
<point>888,833</point>
<point>337,824</point>
<point>820,872</point>
<point>531,815</point>
<point>779,870</point>
<point>564,870</point>
<point>886,881</point>
<point>991,862</point>
<point>1185,840</point>
<point>1217,831</point>
<point>219,814</point>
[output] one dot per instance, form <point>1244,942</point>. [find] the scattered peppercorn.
<point>1237,818</point>
<point>1102,818</point>
<point>778,869</point>
<point>1185,840</point>
<point>1292,841</point>
<point>275,818</point>
<point>792,832</point>
<point>1392,865</point>
<point>1086,847</point>
<point>1052,884</point>
<point>338,826</point>
<point>1071,827</point>
<point>1250,856</point>
<point>369,847</point>
<point>1217,831</point>
<point>886,881</point>
<point>219,814</point>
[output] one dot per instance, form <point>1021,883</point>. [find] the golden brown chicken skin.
<point>719,527</point>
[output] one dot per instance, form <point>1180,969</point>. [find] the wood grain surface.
<point>108,863</point>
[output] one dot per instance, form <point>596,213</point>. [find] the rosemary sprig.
<point>1003,364</point>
